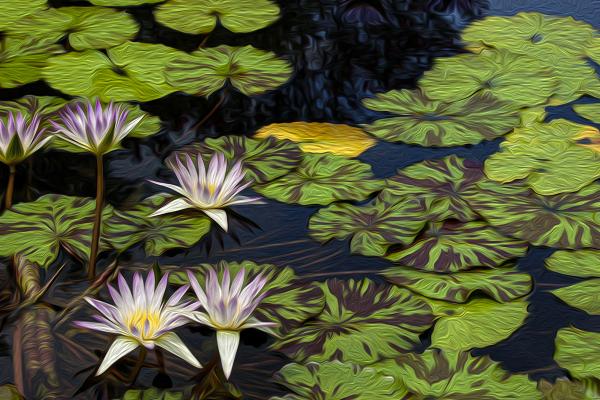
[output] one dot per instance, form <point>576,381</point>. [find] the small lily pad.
<point>23,59</point>
<point>578,352</point>
<point>13,10</point>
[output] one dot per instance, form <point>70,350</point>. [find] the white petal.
<point>118,349</point>
<point>219,216</point>
<point>252,322</point>
<point>199,317</point>
<point>228,342</point>
<point>173,206</point>
<point>171,342</point>
<point>174,188</point>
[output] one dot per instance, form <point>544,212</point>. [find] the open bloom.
<point>20,138</point>
<point>98,129</point>
<point>208,190</point>
<point>228,308</point>
<point>141,318</point>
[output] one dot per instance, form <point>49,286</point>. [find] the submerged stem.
<point>97,217</point>
<point>10,187</point>
<point>212,111</point>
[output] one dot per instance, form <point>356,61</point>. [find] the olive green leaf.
<point>566,389</point>
<point>583,295</point>
<point>85,27</point>
<point>502,284</point>
<point>249,70</point>
<point>201,16</point>
<point>22,59</point>
<point>10,392</point>
<point>578,352</point>
<point>323,179</point>
<point>567,221</point>
<point>160,233</point>
<point>333,380</point>
<point>13,10</point>
<point>553,157</point>
<point>29,105</point>
<point>449,247</point>
<point>362,322</point>
<point>514,78</point>
<point>575,79</point>
<point>443,184</point>
<point>580,263</point>
<point>38,230</point>
<point>289,302</point>
<point>130,71</point>
<point>589,111</point>
<point>373,227</point>
<point>123,3</point>
<point>153,393</point>
<point>418,120</point>
<point>435,375</point>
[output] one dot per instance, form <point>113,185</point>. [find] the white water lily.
<point>207,189</point>
<point>228,308</point>
<point>140,318</point>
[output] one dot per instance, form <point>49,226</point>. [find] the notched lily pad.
<point>578,352</point>
<point>589,111</point>
<point>23,59</point>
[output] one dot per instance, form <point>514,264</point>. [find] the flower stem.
<point>97,217</point>
<point>10,187</point>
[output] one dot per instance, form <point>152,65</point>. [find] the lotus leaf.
<point>583,295</point>
<point>38,230</point>
<point>130,71</point>
<point>589,111</point>
<point>321,137</point>
<point>22,59</point>
<point>201,16</point>
<point>580,263</point>
<point>575,79</point>
<point>123,3</point>
<point>418,120</point>
<point>333,380</point>
<point>152,394</point>
<point>323,179</point>
<point>362,322</point>
<point>249,70</point>
<point>449,247</point>
<point>13,10</point>
<point>578,352</point>
<point>565,389</point>
<point>29,105</point>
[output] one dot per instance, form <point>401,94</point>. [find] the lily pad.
<point>38,230</point>
<point>566,221</point>
<point>201,16</point>
<point>583,295</point>
<point>130,71</point>
<point>28,105</point>
<point>418,120</point>
<point>22,59</point>
<point>321,137</point>
<point>578,352</point>
<point>123,3</point>
<point>589,111</point>
<point>566,389</point>
<point>449,247</point>
<point>575,78</point>
<point>362,322</point>
<point>372,228</point>
<point>323,179</point>
<point>13,10</point>
<point>502,284</point>
<point>580,263</point>
<point>153,394</point>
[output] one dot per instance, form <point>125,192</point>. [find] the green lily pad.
<point>444,186</point>
<point>566,389</point>
<point>418,120</point>
<point>28,105</point>
<point>333,380</point>
<point>130,71</point>
<point>575,79</point>
<point>435,375</point>
<point>123,3</point>
<point>578,352</point>
<point>38,230</point>
<point>13,10</point>
<point>456,247</point>
<point>153,394</point>
<point>372,228</point>
<point>250,71</point>
<point>85,27</point>
<point>288,302</point>
<point>10,392</point>
<point>23,59</point>
<point>502,284</point>
<point>580,263</point>
<point>514,78</point>
<point>566,221</point>
<point>583,295</point>
<point>362,322</point>
<point>201,16</point>
<point>589,111</point>
<point>553,157</point>
<point>323,179</point>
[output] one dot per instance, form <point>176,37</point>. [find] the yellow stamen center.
<point>143,324</point>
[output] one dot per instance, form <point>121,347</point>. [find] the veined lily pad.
<point>513,78</point>
<point>249,70</point>
<point>580,263</point>
<point>333,380</point>
<point>578,352</point>
<point>589,111</point>
<point>130,71</point>
<point>38,230</point>
<point>418,120</point>
<point>323,179</point>
<point>435,375</point>
<point>362,323</point>
<point>583,295</point>
<point>568,220</point>
<point>29,105</point>
<point>22,59</point>
<point>502,284</point>
<point>565,389</point>
<point>372,227</point>
<point>201,16</point>
<point>554,158</point>
<point>321,137</point>
<point>455,247</point>
<point>13,10</point>
<point>85,27</point>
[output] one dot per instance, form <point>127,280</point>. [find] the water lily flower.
<point>207,189</point>
<point>20,138</point>
<point>228,309</point>
<point>140,318</point>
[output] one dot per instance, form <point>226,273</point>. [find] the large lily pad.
<point>580,263</point>
<point>579,352</point>
<point>130,71</point>
<point>323,179</point>
<point>566,389</point>
<point>362,322</point>
<point>568,220</point>
<point>502,284</point>
<point>372,228</point>
<point>583,295</point>
<point>22,59</point>
<point>418,120</point>
<point>13,10</point>
<point>201,16</point>
<point>251,71</point>
<point>29,105</point>
<point>589,111</point>
<point>38,230</point>
<point>449,247</point>
<point>321,137</point>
